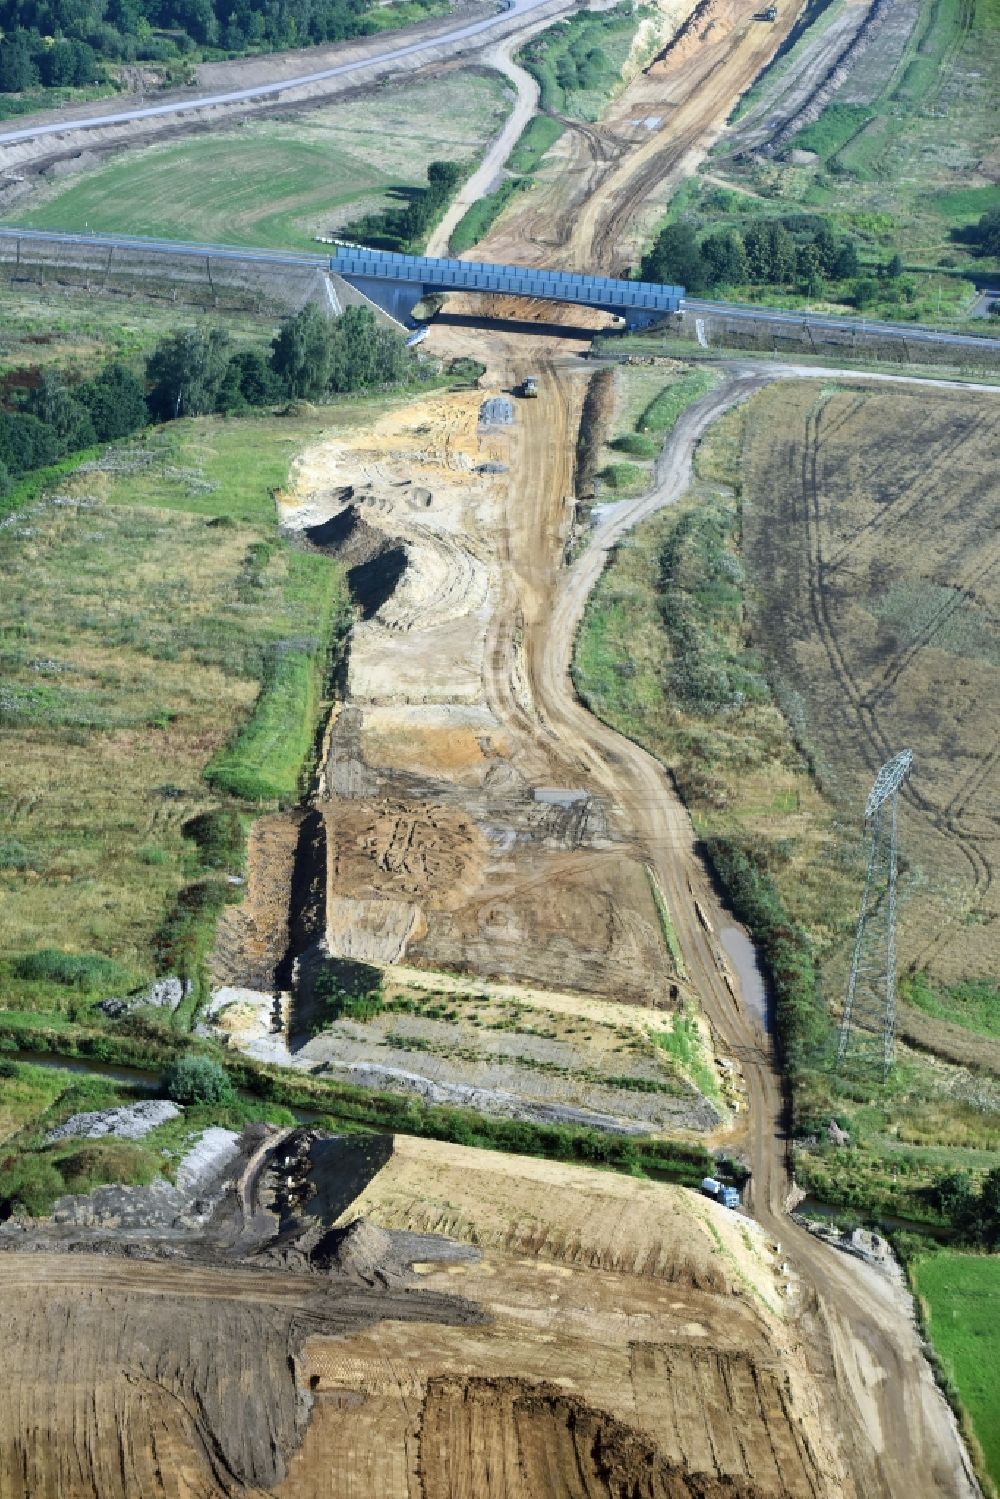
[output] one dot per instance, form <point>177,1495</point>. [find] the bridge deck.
<point>515,280</point>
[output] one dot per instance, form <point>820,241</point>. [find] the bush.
<point>346,990</point>
<point>30,1185</point>
<point>87,972</point>
<point>801,1020</point>
<point>635,444</point>
<point>14,855</point>
<point>219,837</point>
<point>623,476</point>
<point>468,371</point>
<point>407,228</point>
<point>194,1079</point>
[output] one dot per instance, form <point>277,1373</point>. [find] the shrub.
<point>346,990</point>
<point>469,371</point>
<point>14,855</point>
<point>87,972</point>
<point>194,1079</point>
<point>30,1185</point>
<point>801,1020</point>
<point>218,834</point>
<point>187,931</point>
<point>636,445</point>
<point>622,475</point>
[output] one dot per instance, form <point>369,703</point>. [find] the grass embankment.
<point>150,606</point>
<point>652,422</point>
<point>34,1099</point>
<point>899,164</point>
<point>959,1299</point>
<point>279,182</point>
<point>537,137</point>
<point>663,656</point>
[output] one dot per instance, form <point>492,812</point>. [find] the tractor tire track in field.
<point>964,587</point>
<point>880,746</point>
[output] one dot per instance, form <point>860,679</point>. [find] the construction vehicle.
<point>528,388</point>
<point>728,1196</point>
<point>768,14</point>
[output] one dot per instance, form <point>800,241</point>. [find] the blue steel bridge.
<point>396,283</point>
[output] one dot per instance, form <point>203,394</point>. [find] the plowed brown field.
<point>870,514</point>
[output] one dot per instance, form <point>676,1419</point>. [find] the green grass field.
<point>149,609</point>
<point>961,1297</point>
<point>69,329</point>
<point>976,1005</point>
<point>279,182</point>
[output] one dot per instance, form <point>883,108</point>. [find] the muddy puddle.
<point>753,985</point>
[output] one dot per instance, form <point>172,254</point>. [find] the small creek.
<point>143,1080</point>
<point>813,1207</point>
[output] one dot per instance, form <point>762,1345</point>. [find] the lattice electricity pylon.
<point>870,1008</point>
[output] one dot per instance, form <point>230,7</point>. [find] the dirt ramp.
<point>509,1439</point>
<point>724,1413</point>
<point>375,563</point>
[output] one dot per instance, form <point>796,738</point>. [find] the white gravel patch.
<point>131,1122</point>
<point>212,1153</point>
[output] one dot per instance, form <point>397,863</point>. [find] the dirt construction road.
<point>460,727</point>
<point>893,1418</point>
<point>896,1434</point>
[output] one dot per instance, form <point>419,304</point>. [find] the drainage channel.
<point>144,1081</point>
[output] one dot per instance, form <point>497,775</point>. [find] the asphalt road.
<point>912,332</point>
<point>170,247</point>
<point>502,18</point>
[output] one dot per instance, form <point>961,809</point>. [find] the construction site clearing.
<point>389,1317</point>
<point>437,840</point>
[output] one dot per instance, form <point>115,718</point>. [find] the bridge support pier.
<point>397,298</point>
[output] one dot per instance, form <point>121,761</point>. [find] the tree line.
<point>797,250</point>
<point>192,373</point>
<point>975,1214</point>
<point>406,229</point>
<point>63,41</point>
